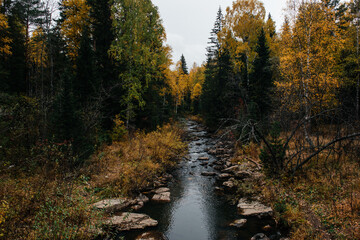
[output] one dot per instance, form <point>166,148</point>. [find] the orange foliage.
<point>135,163</point>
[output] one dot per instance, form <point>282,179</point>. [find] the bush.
<point>133,164</point>
<point>273,155</point>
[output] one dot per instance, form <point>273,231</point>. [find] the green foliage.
<point>273,154</point>
<point>20,128</point>
<point>261,81</point>
<point>138,49</point>
<point>68,218</point>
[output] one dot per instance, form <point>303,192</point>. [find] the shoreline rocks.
<point>254,208</point>
<point>130,221</point>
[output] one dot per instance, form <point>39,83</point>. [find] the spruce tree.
<point>261,81</point>
<point>184,65</point>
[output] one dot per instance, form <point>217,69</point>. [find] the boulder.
<point>203,158</point>
<point>208,173</point>
<point>238,223</point>
<point>228,184</point>
<point>224,176</point>
<point>260,236</point>
<point>151,236</point>
<point>162,190</point>
<point>254,209</point>
<point>130,221</point>
<point>114,205</point>
<point>161,197</point>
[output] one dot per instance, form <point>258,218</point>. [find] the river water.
<point>196,210</point>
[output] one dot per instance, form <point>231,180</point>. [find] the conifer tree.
<point>261,80</point>
<point>184,65</point>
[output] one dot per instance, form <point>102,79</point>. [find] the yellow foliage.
<point>136,162</point>
<point>4,208</point>
<point>241,26</point>
<point>4,40</point>
<point>119,129</point>
<point>77,17</point>
<point>178,84</point>
<point>310,44</point>
<point>196,80</point>
<point>37,48</point>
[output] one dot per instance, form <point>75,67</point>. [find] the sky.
<point>188,24</point>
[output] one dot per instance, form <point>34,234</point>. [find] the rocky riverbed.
<point>191,202</point>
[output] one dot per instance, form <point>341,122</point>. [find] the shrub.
<point>273,154</point>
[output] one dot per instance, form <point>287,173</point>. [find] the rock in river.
<point>254,208</point>
<point>151,236</point>
<point>238,223</point>
<point>203,158</point>
<point>162,190</point>
<point>260,236</point>
<point>131,221</point>
<point>161,195</point>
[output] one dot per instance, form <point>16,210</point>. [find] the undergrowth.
<point>135,163</point>
<point>51,197</point>
<point>320,202</point>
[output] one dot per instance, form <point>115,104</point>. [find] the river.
<point>196,210</point>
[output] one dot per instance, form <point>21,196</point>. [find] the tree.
<point>76,17</point>
<point>178,85</point>
<point>184,65</point>
<point>4,38</point>
<point>261,81</point>
<point>214,44</point>
<point>138,49</point>
<point>241,26</point>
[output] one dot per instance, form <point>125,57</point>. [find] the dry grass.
<point>322,201</point>
<point>50,200</point>
<point>135,163</point>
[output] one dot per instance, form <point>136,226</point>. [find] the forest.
<point>91,100</point>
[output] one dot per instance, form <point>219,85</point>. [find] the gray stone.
<point>260,236</point>
<point>238,223</point>
<point>131,221</point>
<point>254,208</point>
<point>161,190</point>
<point>114,205</point>
<point>151,236</point>
<point>228,184</point>
<point>161,197</point>
<point>224,176</point>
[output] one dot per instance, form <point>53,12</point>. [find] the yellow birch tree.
<point>77,17</point>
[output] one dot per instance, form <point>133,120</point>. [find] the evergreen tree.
<point>84,84</point>
<point>261,80</point>
<point>184,65</point>
<point>214,45</point>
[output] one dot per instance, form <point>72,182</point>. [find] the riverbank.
<point>51,201</point>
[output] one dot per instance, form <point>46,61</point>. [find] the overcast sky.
<point>188,24</point>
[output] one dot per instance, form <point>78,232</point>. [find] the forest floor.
<point>320,202</point>
<point>50,200</point>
